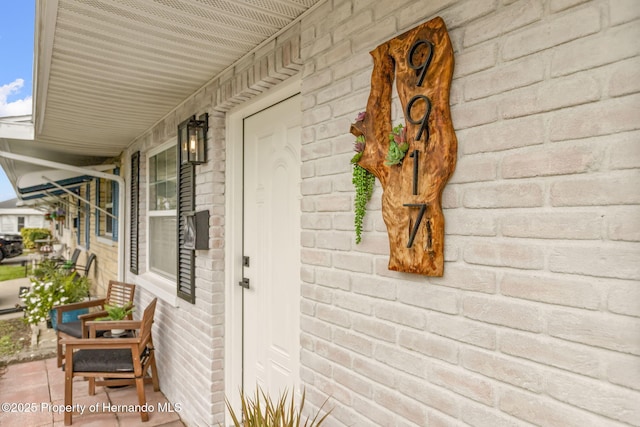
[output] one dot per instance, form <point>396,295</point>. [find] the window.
<point>162,247</point>
<point>106,194</point>
<point>20,223</point>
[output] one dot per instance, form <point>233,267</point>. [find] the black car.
<point>10,245</point>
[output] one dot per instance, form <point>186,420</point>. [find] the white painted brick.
<point>618,333</point>
<point>316,364</point>
<point>400,404</point>
<point>474,169</point>
<point>551,95</point>
<point>333,315</point>
<point>504,254</point>
<point>333,240</point>
<point>556,160</point>
<point>354,342</point>
<point>624,224</point>
<point>353,382</point>
<point>624,150</point>
<point>315,257</point>
<point>319,185</point>
<point>597,190</point>
<point>351,262</point>
<point>624,370</point>
<point>573,225</point>
<point>553,32</point>
<point>503,312</point>
<point>504,195</point>
<point>502,135</point>
<point>471,279</point>
<point>362,20</point>
<point>457,16</point>
<point>374,412</point>
<point>315,327</point>
<point>463,330</point>
<point>431,395</point>
<point>553,352</point>
<point>461,381</point>
<point>552,290</point>
<point>400,314</point>
<point>540,410</point>
<point>508,19</point>
<point>333,165</point>
<point>414,12</point>
<point>382,289</point>
<point>335,128</point>
<point>475,60</point>
<point>625,78</point>
<point>316,221</point>
<point>597,260</point>
<point>374,328</point>
<point>501,79</point>
<point>472,114</point>
<point>481,416</point>
<point>378,372</point>
<point>594,396</point>
<point>370,37</point>
<point>429,344</point>
<point>610,116</point>
<point>470,223</point>
<point>624,298</point>
<point>429,297</point>
<point>612,46</point>
<point>333,278</point>
<point>316,293</point>
<point>333,353</point>
<point>621,11</point>
<point>502,368</point>
<point>401,360</point>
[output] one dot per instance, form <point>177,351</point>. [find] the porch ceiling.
<point>107,70</point>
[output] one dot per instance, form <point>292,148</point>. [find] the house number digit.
<point>414,230</point>
<point>422,68</point>
<point>424,120</point>
<point>414,155</point>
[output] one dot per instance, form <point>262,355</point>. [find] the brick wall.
<point>536,319</point>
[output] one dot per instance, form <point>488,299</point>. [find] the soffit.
<point>112,68</point>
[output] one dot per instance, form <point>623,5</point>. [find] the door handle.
<point>244,283</point>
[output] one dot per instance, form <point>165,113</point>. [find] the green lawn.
<point>8,272</point>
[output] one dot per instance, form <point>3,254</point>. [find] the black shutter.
<point>186,257</point>
<point>134,220</point>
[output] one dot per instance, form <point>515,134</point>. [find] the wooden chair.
<point>112,361</point>
<point>118,293</point>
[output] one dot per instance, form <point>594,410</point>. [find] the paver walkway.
<point>32,395</point>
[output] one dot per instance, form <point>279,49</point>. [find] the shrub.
<point>30,235</point>
<point>261,411</point>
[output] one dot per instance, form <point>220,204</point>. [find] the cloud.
<point>19,107</point>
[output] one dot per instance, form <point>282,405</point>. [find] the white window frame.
<point>154,213</point>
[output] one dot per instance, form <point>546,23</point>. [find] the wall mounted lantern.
<point>193,140</point>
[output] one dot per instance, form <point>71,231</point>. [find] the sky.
<point>16,66</point>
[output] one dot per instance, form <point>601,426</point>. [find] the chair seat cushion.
<point>74,329</point>
<point>118,360</point>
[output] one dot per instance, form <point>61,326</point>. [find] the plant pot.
<point>117,332</point>
<point>67,316</point>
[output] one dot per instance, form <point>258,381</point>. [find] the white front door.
<point>271,248</point>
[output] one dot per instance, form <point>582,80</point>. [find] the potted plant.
<point>51,287</point>
<point>117,312</point>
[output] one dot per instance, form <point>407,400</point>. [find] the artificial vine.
<point>398,146</point>
<point>363,181</point>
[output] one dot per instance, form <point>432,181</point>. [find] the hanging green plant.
<point>398,146</point>
<point>363,180</point>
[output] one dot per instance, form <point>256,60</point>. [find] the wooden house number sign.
<point>421,61</point>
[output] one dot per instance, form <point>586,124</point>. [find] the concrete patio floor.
<point>31,394</point>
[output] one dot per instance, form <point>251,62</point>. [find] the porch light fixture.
<point>193,140</point>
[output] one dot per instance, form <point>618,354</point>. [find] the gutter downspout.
<point>94,173</point>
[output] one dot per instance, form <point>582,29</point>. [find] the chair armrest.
<point>99,343</point>
<point>92,316</point>
<point>82,304</point>
<point>105,325</point>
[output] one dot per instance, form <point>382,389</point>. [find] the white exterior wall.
<point>9,219</point>
<point>536,319</point>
